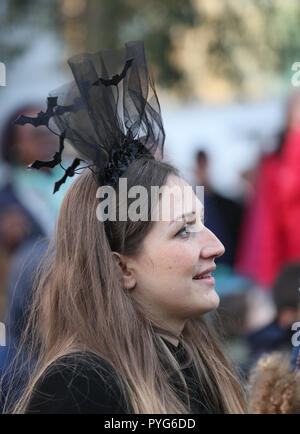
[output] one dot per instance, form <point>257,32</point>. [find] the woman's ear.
<point>127,272</point>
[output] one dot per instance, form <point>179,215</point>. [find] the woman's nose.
<point>212,246</point>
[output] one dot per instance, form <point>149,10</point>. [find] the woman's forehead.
<point>177,199</point>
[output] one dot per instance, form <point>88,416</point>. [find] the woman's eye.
<point>183,229</point>
<point>186,233</point>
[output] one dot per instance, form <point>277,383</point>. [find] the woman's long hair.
<point>80,305</point>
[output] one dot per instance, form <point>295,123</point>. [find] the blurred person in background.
<point>222,215</point>
<point>274,386</point>
<point>277,335</point>
<point>27,210</point>
<point>274,381</point>
<point>231,318</point>
<point>19,294</point>
<point>270,235</point>
<point>13,227</point>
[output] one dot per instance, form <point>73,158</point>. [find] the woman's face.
<point>174,252</point>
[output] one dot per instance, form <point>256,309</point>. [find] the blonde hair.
<point>273,388</point>
<point>80,305</point>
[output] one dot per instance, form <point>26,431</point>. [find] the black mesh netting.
<point>110,113</point>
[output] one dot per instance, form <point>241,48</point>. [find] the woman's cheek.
<point>179,258</point>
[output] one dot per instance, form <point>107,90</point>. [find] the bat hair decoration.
<point>42,118</point>
<point>107,129</point>
<point>56,159</point>
<point>115,80</point>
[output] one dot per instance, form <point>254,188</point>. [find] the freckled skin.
<point>165,269</point>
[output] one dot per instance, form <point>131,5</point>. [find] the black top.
<point>73,385</point>
<point>199,395</point>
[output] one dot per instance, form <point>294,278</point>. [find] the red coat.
<point>270,235</point>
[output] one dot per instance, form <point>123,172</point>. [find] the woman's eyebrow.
<point>182,216</point>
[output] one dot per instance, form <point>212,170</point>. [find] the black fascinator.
<point>110,114</point>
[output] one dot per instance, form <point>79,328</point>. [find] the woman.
<point>118,313</point>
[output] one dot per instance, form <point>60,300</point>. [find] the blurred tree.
<point>212,49</point>
<point>20,23</point>
<point>215,50</point>
<point>240,48</point>
<point>108,23</point>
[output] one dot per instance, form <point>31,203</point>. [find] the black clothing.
<point>72,385</point>
<point>223,217</point>
<point>267,339</point>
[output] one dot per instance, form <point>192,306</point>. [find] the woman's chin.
<point>211,301</point>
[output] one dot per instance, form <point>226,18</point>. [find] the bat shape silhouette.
<point>42,117</point>
<point>115,80</point>
<point>56,159</point>
<point>70,171</point>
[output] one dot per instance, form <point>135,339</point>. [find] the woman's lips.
<point>205,277</point>
<point>210,280</point>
